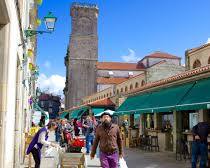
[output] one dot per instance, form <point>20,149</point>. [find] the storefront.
<point>170,112</point>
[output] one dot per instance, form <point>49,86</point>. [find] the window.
<point>209,61</point>
<point>50,104</point>
<point>117,91</point>
<point>121,90</point>
<point>142,83</point>
<point>136,85</point>
<point>111,74</point>
<point>110,94</point>
<point>107,95</point>
<point>131,87</point>
<point>196,64</point>
<point>126,89</point>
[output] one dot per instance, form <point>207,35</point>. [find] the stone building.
<point>82,54</point>
<point>16,84</point>
<point>198,56</point>
<point>130,76</point>
<point>51,104</point>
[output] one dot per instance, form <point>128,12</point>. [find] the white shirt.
<point>42,140</point>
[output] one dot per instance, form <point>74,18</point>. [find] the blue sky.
<point>132,28</point>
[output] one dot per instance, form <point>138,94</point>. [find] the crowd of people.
<point>101,134</point>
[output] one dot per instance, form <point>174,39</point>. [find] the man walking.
<point>110,142</point>
<point>200,145</point>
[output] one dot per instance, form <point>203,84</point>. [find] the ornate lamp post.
<point>49,20</point>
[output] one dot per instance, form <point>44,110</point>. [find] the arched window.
<point>136,85</point>
<point>104,95</point>
<point>196,64</point>
<point>110,94</point>
<point>142,83</point>
<point>126,89</point>
<point>121,90</point>
<point>107,95</point>
<point>131,87</point>
<point>209,61</point>
<point>117,91</point>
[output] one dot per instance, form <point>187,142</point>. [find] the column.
<point>157,121</point>
<point>202,115</point>
<point>177,127</point>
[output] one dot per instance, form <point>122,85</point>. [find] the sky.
<point>128,30</point>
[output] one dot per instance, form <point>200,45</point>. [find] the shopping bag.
<point>122,163</point>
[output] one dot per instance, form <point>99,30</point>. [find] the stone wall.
<point>101,87</point>
<point>117,73</point>
<point>132,83</point>
<point>203,55</point>
<point>153,61</point>
<point>162,71</point>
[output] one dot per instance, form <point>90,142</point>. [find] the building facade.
<point>51,104</point>
<point>82,54</point>
<point>17,80</point>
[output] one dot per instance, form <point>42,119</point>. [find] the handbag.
<point>122,163</point>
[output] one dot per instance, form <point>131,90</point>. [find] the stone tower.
<point>82,54</point>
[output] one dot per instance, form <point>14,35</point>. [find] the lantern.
<point>50,21</point>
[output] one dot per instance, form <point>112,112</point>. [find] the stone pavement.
<point>136,158</point>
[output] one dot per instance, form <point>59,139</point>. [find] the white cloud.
<point>208,41</point>
<point>53,84</point>
<point>47,64</point>
<point>131,57</point>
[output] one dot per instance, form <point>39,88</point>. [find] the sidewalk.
<point>92,163</point>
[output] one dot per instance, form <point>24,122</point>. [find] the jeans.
<point>199,148</point>
<point>89,140</point>
<point>109,161</point>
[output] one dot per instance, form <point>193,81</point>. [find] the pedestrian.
<point>200,145</point>
<point>76,127</point>
<point>89,133</point>
<point>58,131</point>
<point>109,138</point>
<point>39,140</point>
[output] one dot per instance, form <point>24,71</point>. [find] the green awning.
<point>97,111</point>
<point>162,100</point>
<point>77,113</point>
<point>63,115</point>
<point>133,104</point>
<point>198,97</point>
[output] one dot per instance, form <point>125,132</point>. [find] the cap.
<point>106,113</point>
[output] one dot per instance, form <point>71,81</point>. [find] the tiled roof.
<point>159,54</point>
<point>119,66</point>
<point>197,48</point>
<point>102,102</point>
<point>111,80</point>
<point>174,78</point>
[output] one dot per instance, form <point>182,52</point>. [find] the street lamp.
<point>50,21</point>
<point>50,25</point>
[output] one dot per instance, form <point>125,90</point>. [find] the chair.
<point>147,143</point>
<point>181,150</point>
<point>154,143</point>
